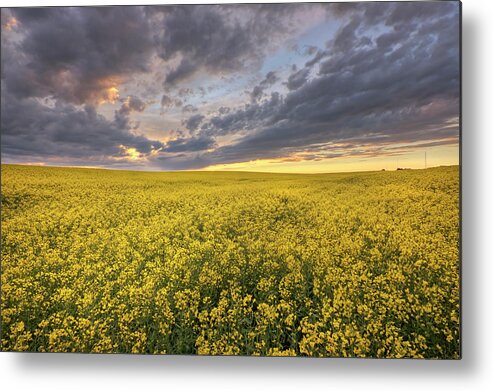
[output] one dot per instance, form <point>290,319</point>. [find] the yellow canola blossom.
<point>223,263</point>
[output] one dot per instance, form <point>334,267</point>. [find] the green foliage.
<point>361,264</point>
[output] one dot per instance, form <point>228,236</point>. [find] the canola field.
<point>223,263</point>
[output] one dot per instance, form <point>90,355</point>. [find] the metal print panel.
<point>262,179</point>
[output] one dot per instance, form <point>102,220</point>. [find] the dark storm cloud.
<point>29,128</point>
<point>258,91</point>
<point>62,62</point>
<point>192,144</point>
<point>222,38</point>
<point>248,118</point>
<point>185,69</point>
<point>298,78</point>
<point>316,58</point>
<point>193,122</point>
<point>270,78</point>
<point>76,53</point>
<point>389,74</point>
<point>132,103</point>
<point>75,57</point>
<point>400,83</point>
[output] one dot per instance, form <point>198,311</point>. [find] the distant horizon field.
<point>362,264</point>
<point>229,171</point>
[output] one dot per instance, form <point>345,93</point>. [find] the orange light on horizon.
<point>415,158</point>
<point>248,165</point>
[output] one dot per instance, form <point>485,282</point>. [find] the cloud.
<point>76,54</point>
<point>258,91</point>
<point>223,38</point>
<point>249,118</point>
<point>270,78</point>
<point>298,78</point>
<point>59,64</point>
<point>388,74</point>
<point>192,144</point>
<point>390,85</point>
<point>193,122</point>
<point>189,109</point>
<point>166,101</point>
<point>35,130</point>
<point>132,103</point>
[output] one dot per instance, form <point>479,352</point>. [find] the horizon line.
<point>228,171</point>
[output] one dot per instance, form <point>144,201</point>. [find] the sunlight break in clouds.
<point>259,87</point>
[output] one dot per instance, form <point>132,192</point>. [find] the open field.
<point>362,264</point>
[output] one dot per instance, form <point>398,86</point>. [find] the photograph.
<point>265,179</point>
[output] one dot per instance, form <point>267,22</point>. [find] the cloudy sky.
<point>279,87</point>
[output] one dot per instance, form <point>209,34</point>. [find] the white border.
<point>474,372</point>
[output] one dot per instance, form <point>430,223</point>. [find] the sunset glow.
<point>110,95</point>
<point>10,24</point>
<point>326,88</point>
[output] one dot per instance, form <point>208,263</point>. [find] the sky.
<point>306,88</point>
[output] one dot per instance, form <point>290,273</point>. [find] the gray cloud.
<point>193,122</point>
<point>401,85</point>
<point>248,118</point>
<point>31,129</point>
<point>258,91</point>
<point>298,78</point>
<point>192,144</point>
<point>75,54</point>
<point>189,109</point>
<point>132,103</point>
<point>166,101</point>
<point>222,38</point>
<point>389,74</point>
